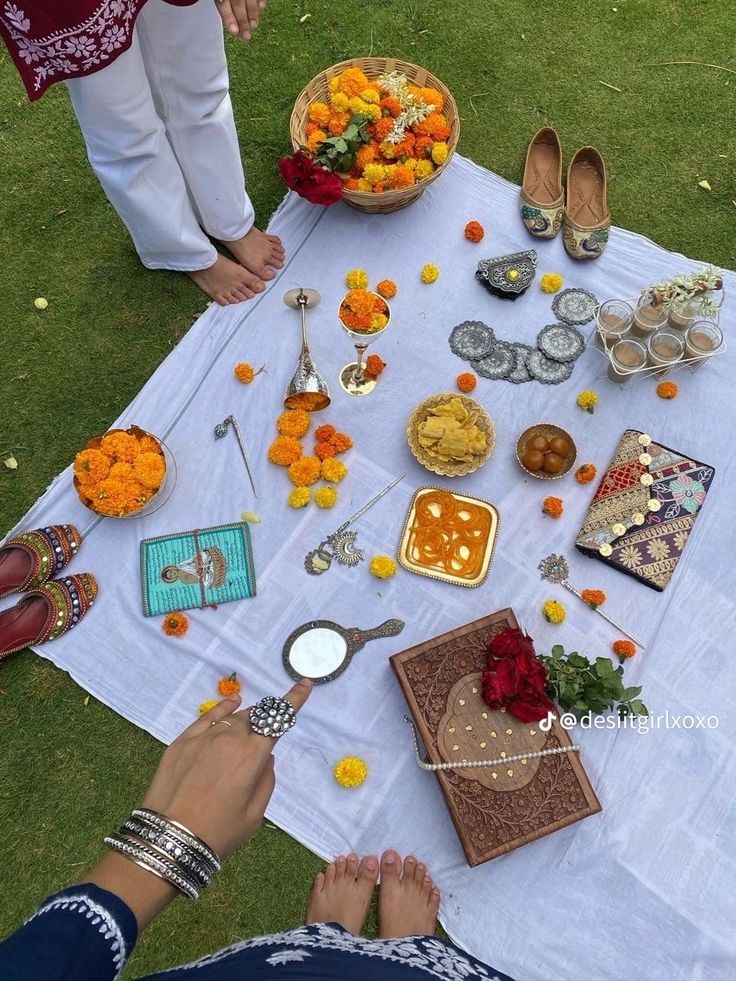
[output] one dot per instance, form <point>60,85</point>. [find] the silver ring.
<point>272,716</point>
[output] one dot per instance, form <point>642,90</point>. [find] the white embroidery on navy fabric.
<point>105,922</point>
<point>287,957</point>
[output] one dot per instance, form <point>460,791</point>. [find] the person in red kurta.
<point>149,85</point>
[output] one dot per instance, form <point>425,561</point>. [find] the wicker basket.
<point>317,90</point>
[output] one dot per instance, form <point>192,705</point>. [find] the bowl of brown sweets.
<point>546,451</point>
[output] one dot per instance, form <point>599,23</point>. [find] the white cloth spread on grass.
<point>642,890</point>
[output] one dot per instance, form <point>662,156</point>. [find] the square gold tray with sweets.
<point>449,536</point>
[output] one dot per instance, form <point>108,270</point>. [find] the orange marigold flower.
<point>341,442</point>
<point>401,176</point>
<point>432,97</point>
<point>175,624</point>
<point>229,686</point>
<point>311,128</point>
<point>149,469</point>
<point>90,466</point>
<point>323,450</point>
<point>294,422</point>
<point>474,231</point>
<point>435,125</point>
<point>338,123</point>
<point>352,81</point>
<point>553,506</point>
<point>324,432</point>
<point>387,288</point>
<point>585,473</point>
<point>381,128</point>
<point>365,155</point>
<point>423,147</point>
<point>466,381</point>
<point>391,105</point>
<point>352,184</point>
<point>378,188</point>
<point>374,365</point>
<point>593,597</point>
<point>284,451</point>
<point>319,112</point>
<point>111,496</point>
<point>121,471</point>
<point>120,446</point>
<point>305,471</point>
<point>624,649</point>
<point>667,390</point>
<point>244,372</point>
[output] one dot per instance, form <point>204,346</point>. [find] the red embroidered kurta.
<point>52,40</point>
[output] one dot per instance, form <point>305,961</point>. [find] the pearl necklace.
<point>463,764</point>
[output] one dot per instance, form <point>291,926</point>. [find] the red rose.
<point>506,643</point>
<point>310,180</point>
<point>530,711</point>
<point>500,683</point>
<point>515,678</point>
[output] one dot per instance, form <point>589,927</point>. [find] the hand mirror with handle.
<point>321,649</point>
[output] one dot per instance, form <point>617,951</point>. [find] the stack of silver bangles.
<point>167,849</point>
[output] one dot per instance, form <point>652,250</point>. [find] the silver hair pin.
<point>221,430</point>
<point>555,569</point>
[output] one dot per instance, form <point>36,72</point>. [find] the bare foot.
<point>227,282</point>
<point>408,902</point>
<point>342,893</point>
<point>258,252</point>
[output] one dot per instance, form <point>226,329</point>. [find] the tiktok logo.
<point>567,720</point>
<point>546,724</point>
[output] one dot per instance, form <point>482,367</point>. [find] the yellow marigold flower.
<point>300,497</point>
<point>319,112</point>
<point>333,84</point>
<point>317,137</point>
<point>339,101</point>
<point>550,282</point>
<point>357,279</point>
<point>149,469</point>
<point>363,185</point>
<point>325,497</point>
<point>373,112</point>
<point>358,104</point>
<point>587,400</point>
<point>374,173</point>
<point>378,321</point>
<point>430,273</point>
<point>351,772</point>
<point>370,95</point>
<point>244,372</point>
<point>305,471</point>
<point>439,153</point>
<point>383,566</point>
<point>333,470</point>
<point>120,446</point>
<point>423,168</point>
<point>294,422</point>
<point>553,611</point>
<point>91,466</point>
<point>206,706</point>
<point>284,451</point>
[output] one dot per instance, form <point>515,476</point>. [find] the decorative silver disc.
<point>471,340</point>
<point>520,373</point>
<point>272,716</point>
<point>575,306</point>
<point>560,342</point>
<point>497,363</point>
<point>547,371</point>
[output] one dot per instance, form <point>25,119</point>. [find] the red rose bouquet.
<point>515,678</point>
<point>309,179</point>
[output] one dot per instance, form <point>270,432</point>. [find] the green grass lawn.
<point>68,764</point>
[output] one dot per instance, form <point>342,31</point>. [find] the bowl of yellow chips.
<point>451,435</point>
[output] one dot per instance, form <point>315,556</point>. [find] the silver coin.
<point>497,363</point>
<point>471,340</point>
<point>560,342</point>
<point>547,371</point>
<point>575,306</point>
<point>520,373</point>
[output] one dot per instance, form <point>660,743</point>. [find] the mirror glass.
<point>318,652</point>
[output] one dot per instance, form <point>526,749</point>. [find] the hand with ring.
<point>217,777</point>
<point>241,16</point>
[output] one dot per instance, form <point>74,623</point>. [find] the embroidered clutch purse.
<point>508,276</point>
<point>644,509</point>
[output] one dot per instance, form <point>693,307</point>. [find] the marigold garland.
<point>553,506</point>
<point>305,471</point>
<point>387,288</point>
<point>350,772</point>
<point>374,366</point>
<point>554,612</point>
<point>325,497</point>
<point>244,372</point>
<point>474,231</point>
<point>667,390</point>
<point>209,704</point>
<point>624,649</point>
<point>357,279</point>
<point>593,597</point>
<point>299,497</point>
<point>383,566</point>
<point>587,400</point>
<point>229,686</point>
<point>429,273</point>
<point>466,381</point>
<point>550,282</point>
<point>284,450</point>
<point>294,422</point>
<point>333,470</point>
<point>175,624</point>
<point>585,473</point>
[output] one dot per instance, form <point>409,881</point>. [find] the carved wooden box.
<point>494,809</point>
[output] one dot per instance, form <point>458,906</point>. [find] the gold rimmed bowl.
<point>549,431</point>
<point>428,457</point>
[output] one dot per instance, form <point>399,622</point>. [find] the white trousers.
<point>160,135</point>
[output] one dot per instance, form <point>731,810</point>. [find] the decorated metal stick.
<point>555,569</point>
<point>340,545</point>
<point>221,430</point>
